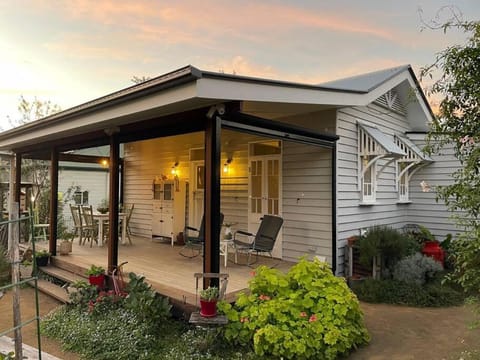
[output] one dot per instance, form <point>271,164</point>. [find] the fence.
<point>10,235</point>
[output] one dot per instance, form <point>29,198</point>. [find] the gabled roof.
<point>365,82</point>
<point>189,88</point>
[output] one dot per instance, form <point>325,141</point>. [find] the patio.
<point>164,268</point>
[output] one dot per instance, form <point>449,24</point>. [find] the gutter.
<point>169,80</point>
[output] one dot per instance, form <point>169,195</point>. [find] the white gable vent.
<point>391,100</point>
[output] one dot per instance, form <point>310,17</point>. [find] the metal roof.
<point>365,82</point>
<point>414,148</point>
<point>383,140</point>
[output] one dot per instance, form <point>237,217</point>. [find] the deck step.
<point>62,274</point>
<point>53,290</point>
<point>58,262</point>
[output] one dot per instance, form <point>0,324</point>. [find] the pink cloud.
<point>190,21</point>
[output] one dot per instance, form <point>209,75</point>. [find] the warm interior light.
<point>226,166</point>
<point>174,169</point>
<point>104,163</point>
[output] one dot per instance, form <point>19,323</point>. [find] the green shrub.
<point>401,293</point>
<point>144,301</point>
<point>466,261</point>
<point>307,313</point>
<point>416,269</point>
<point>386,242</point>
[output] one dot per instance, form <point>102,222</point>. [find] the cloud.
<point>194,22</point>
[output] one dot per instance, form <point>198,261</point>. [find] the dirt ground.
<point>398,333</point>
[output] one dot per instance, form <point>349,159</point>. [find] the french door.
<point>265,193</point>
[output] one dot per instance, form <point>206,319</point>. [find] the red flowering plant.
<point>307,313</point>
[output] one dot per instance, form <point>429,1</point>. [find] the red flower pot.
<point>97,280</point>
<point>208,308</point>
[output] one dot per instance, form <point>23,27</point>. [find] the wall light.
<point>226,166</point>
<point>174,170</point>
<point>104,163</point>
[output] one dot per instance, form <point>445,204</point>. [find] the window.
<point>373,145</point>
<point>368,180</point>
<point>407,165</point>
<point>80,197</point>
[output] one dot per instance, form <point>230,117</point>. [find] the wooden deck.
<point>165,269</point>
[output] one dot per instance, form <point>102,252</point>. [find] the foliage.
<point>420,234</point>
<point>8,356</point>
<point>42,253</point>
<point>81,294</point>
<point>104,325</point>
<point>102,208</point>
<point>145,301</point>
<point>209,294</point>
<point>457,126</point>
<point>95,270</point>
<point>466,259</point>
<point>306,313</point>
<point>386,242</point>
<point>391,291</point>
<point>416,269</point>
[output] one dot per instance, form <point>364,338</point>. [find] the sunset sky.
<point>73,51</point>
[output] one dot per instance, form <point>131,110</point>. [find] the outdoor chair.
<point>77,222</point>
<point>194,244</point>
<point>89,226</point>
<point>39,229</point>
<point>263,240</point>
<point>129,211</point>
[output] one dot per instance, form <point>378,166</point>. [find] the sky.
<point>73,51</point>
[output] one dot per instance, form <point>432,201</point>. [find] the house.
<point>331,159</point>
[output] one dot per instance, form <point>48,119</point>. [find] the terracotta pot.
<point>97,280</point>
<point>208,308</point>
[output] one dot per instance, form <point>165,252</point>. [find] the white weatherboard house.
<point>330,159</point>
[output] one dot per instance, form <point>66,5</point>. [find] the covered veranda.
<point>180,102</point>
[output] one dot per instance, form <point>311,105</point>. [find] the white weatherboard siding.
<point>93,181</point>
<point>425,210</point>
<point>307,201</point>
<point>307,228</point>
<point>351,216</point>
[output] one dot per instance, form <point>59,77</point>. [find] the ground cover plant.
<point>136,324</point>
<point>307,313</point>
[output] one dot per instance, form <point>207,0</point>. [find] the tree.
<point>458,126</point>
<point>36,171</point>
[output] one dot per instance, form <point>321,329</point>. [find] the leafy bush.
<point>466,261</point>
<point>307,313</point>
<point>144,301</point>
<point>402,293</point>
<point>386,242</point>
<point>416,269</point>
<point>103,325</point>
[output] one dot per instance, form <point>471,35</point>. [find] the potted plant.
<point>41,257</point>
<point>208,301</point>
<point>96,275</point>
<point>102,208</point>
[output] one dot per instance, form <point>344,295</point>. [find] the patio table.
<point>102,218</point>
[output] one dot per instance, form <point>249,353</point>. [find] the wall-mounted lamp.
<point>104,162</point>
<point>226,165</point>
<point>174,170</point>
